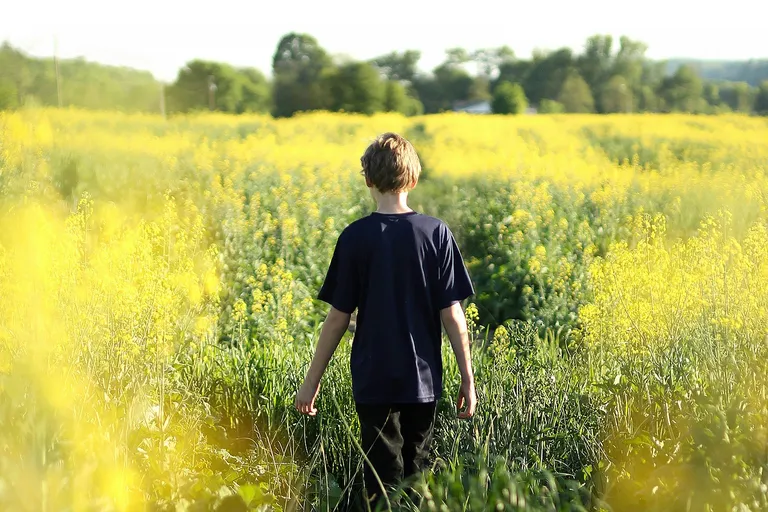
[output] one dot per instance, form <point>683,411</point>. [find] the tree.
<point>647,101</point>
<point>43,86</point>
<point>739,96</point>
<point>300,69</point>
<point>711,94</point>
<point>448,84</point>
<point>8,95</point>
<point>414,107</point>
<point>429,93</point>
<point>596,64</point>
<point>509,99</point>
<point>551,107</point>
<point>575,95</point>
<point>516,71</point>
<point>204,85</point>
<point>761,101</point>
<point>547,74</point>
<point>629,61</point>
<point>85,84</point>
<point>752,71</point>
<point>457,56</point>
<point>647,93</point>
<point>454,84</point>
<point>357,87</point>
<point>682,91</point>
<point>257,93</point>
<point>480,90</point>
<point>15,76</point>
<point>489,60</point>
<point>396,99</point>
<point>398,66</point>
<point>744,98</point>
<point>617,96</point>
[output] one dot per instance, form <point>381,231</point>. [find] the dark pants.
<point>396,439</point>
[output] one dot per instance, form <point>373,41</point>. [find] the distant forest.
<point>753,72</point>
<point>607,76</point>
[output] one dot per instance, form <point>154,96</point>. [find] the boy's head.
<point>391,165</point>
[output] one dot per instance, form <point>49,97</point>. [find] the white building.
<point>473,107</point>
<point>481,107</point>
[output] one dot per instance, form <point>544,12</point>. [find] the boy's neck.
<point>392,203</point>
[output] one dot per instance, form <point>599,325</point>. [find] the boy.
<point>404,274</point>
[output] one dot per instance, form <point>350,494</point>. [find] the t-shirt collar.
<point>402,214</point>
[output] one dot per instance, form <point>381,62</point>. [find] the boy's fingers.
<point>470,402</point>
<point>472,407</point>
<point>306,408</point>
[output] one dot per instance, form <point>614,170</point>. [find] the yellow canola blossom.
<point>654,293</point>
<point>128,241</point>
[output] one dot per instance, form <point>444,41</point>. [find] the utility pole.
<point>626,98</point>
<point>56,65</point>
<point>162,99</point>
<point>211,94</point>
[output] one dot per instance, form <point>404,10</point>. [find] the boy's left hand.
<point>305,398</point>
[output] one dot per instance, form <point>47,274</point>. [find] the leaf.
<point>249,493</point>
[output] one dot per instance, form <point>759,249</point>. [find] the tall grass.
<point>157,312</point>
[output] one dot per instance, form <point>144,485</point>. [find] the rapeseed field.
<point>157,310</point>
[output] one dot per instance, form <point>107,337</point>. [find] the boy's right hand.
<point>468,398</point>
<point>305,398</point>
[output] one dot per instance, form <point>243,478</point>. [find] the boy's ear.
<point>368,182</point>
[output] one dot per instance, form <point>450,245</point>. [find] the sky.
<point>161,35</point>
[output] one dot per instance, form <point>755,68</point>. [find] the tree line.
<point>752,71</point>
<point>607,76</point>
<point>604,78</point>
<point>25,80</point>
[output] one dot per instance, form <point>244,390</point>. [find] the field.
<point>157,312</point>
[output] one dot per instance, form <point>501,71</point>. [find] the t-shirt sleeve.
<point>454,283</point>
<point>341,286</point>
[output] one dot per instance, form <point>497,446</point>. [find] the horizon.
<point>142,39</point>
<point>268,72</point>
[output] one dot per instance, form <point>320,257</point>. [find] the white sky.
<point>161,35</point>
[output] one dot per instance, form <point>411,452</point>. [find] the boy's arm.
<point>455,324</point>
<point>333,329</point>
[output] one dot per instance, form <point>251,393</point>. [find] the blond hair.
<point>391,164</point>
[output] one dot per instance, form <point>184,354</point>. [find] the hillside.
<point>25,79</point>
<point>390,82</point>
<point>751,71</point>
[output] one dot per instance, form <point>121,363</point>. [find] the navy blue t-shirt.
<point>398,270</point>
